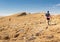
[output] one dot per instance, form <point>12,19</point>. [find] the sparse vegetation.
<point>22,14</point>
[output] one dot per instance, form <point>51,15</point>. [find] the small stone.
<point>46,27</point>
<point>37,34</point>
<point>9,19</point>
<point>6,38</point>
<point>49,36</point>
<point>16,35</point>
<point>32,38</point>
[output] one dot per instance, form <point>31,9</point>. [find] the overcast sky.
<point>8,7</point>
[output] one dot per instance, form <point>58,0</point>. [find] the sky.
<point>8,7</point>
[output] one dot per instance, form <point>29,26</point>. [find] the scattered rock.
<point>49,36</point>
<point>16,35</point>
<point>20,31</point>
<point>47,27</point>
<point>41,22</point>
<point>31,38</point>
<point>37,34</point>
<point>9,19</point>
<point>58,32</point>
<point>1,29</point>
<point>14,39</point>
<point>6,38</point>
<point>0,37</point>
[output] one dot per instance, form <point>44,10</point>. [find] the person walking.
<point>48,16</point>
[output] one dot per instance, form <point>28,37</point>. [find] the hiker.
<point>48,16</point>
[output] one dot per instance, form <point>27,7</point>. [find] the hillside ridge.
<point>29,28</point>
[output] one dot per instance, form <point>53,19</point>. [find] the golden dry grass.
<point>29,28</point>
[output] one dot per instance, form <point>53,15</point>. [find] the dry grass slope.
<point>29,28</point>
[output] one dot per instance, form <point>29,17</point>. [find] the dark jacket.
<point>47,14</point>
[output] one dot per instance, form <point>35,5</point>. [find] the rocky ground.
<point>29,28</point>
